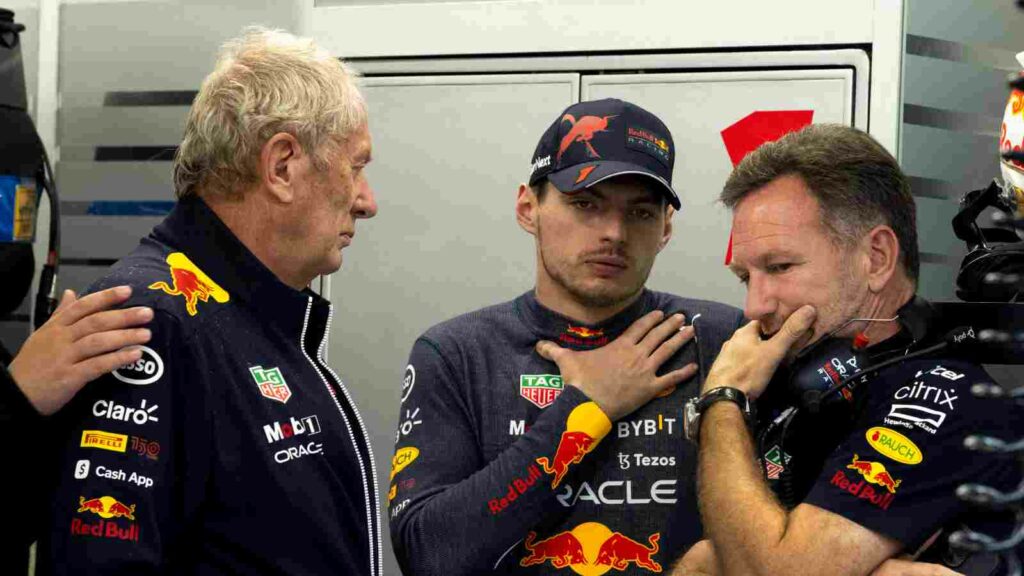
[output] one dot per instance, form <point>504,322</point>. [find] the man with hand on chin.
<point>824,238</point>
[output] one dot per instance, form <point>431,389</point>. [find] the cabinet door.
<point>449,153</point>
<point>698,107</point>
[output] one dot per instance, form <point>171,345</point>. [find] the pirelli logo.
<point>104,440</point>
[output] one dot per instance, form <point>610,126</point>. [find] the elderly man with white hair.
<point>230,446</point>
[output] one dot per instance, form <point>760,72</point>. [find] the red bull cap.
<point>593,141</point>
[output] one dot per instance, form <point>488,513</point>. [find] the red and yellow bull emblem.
<point>584,332</point>
<point>583,336</point>
<point>592,549</point>
<point>106,507</point>
<point>189,281</point>
<point>875,473</point>
<point>584,428</point>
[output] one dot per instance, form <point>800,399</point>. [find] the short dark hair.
<point>857,183</point>
<point>540,189</point>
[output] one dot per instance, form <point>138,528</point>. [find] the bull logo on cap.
<point>583,130</point>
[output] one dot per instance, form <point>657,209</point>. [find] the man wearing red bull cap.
<point>505,463</point>
<point>824,238</point>
<point>230,447</point>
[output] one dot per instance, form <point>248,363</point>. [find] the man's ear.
<point>280,165</point>
<point>527,205</point>
<point>666,233</point>
<point>883,256</point>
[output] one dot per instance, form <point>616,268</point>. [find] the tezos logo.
<point>114,411</point>
<point>146,370</point>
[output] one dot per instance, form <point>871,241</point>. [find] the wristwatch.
<point>696,406</point>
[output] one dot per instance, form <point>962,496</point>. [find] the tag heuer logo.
<point>775,461</point>
<point>271,383</point>
<point>541,389</point>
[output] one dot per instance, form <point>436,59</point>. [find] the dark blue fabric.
<point>243,482</point>
<point>477,489</point>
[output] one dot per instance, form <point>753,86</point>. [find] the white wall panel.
<point>449,154</point>
<point>697,107</point>
<point>559,26</point>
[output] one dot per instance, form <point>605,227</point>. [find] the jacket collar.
<point>194,229</point>
<point>569,333</point>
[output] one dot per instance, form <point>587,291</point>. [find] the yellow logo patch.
<point>104,440</point>
<point>403,457</point>
<point>188,281</point>
<point>893,445</point>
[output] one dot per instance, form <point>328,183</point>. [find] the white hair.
<point>265,82</point>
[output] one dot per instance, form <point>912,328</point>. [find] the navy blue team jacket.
<point>230,447</point>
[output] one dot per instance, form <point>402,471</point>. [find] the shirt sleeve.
<point>123,497</point>
<point>450,511</point>
<point>897,473</point>
<point>19,419</point>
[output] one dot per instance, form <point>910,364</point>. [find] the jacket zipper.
<point>369,490</point>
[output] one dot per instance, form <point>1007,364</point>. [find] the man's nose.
<point>760,302</point>
<point>365,205</point>
<point>613,227</point>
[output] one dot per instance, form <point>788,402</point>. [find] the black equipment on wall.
<point>24,173</point>
<point>993,270</point>
<point>995,254</point>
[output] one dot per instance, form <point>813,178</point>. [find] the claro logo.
<point>114,411</point>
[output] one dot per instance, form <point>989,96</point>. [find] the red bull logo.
<point>189,281</point>
<point>516,488</point>
<point>584,332</point>
<point>583,130</point>
<point>584,428</point>
<point>106,507</point>
<point>592,549</point>
<point>863,490</point>
<point>648,142</point>
<point>875,473</point>
<point>105,529</point>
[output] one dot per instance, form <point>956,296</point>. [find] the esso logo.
<point>146,370</point>
<point>408,381</point>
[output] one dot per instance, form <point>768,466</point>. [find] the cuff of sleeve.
<point>585,415</point>
<point>14,406</point>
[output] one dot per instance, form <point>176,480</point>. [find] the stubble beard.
<point>608,295</point>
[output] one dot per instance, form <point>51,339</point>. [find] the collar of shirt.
<point>193,228</point>
<point>568,333</point>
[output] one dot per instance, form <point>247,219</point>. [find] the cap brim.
<point>587,174</point>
